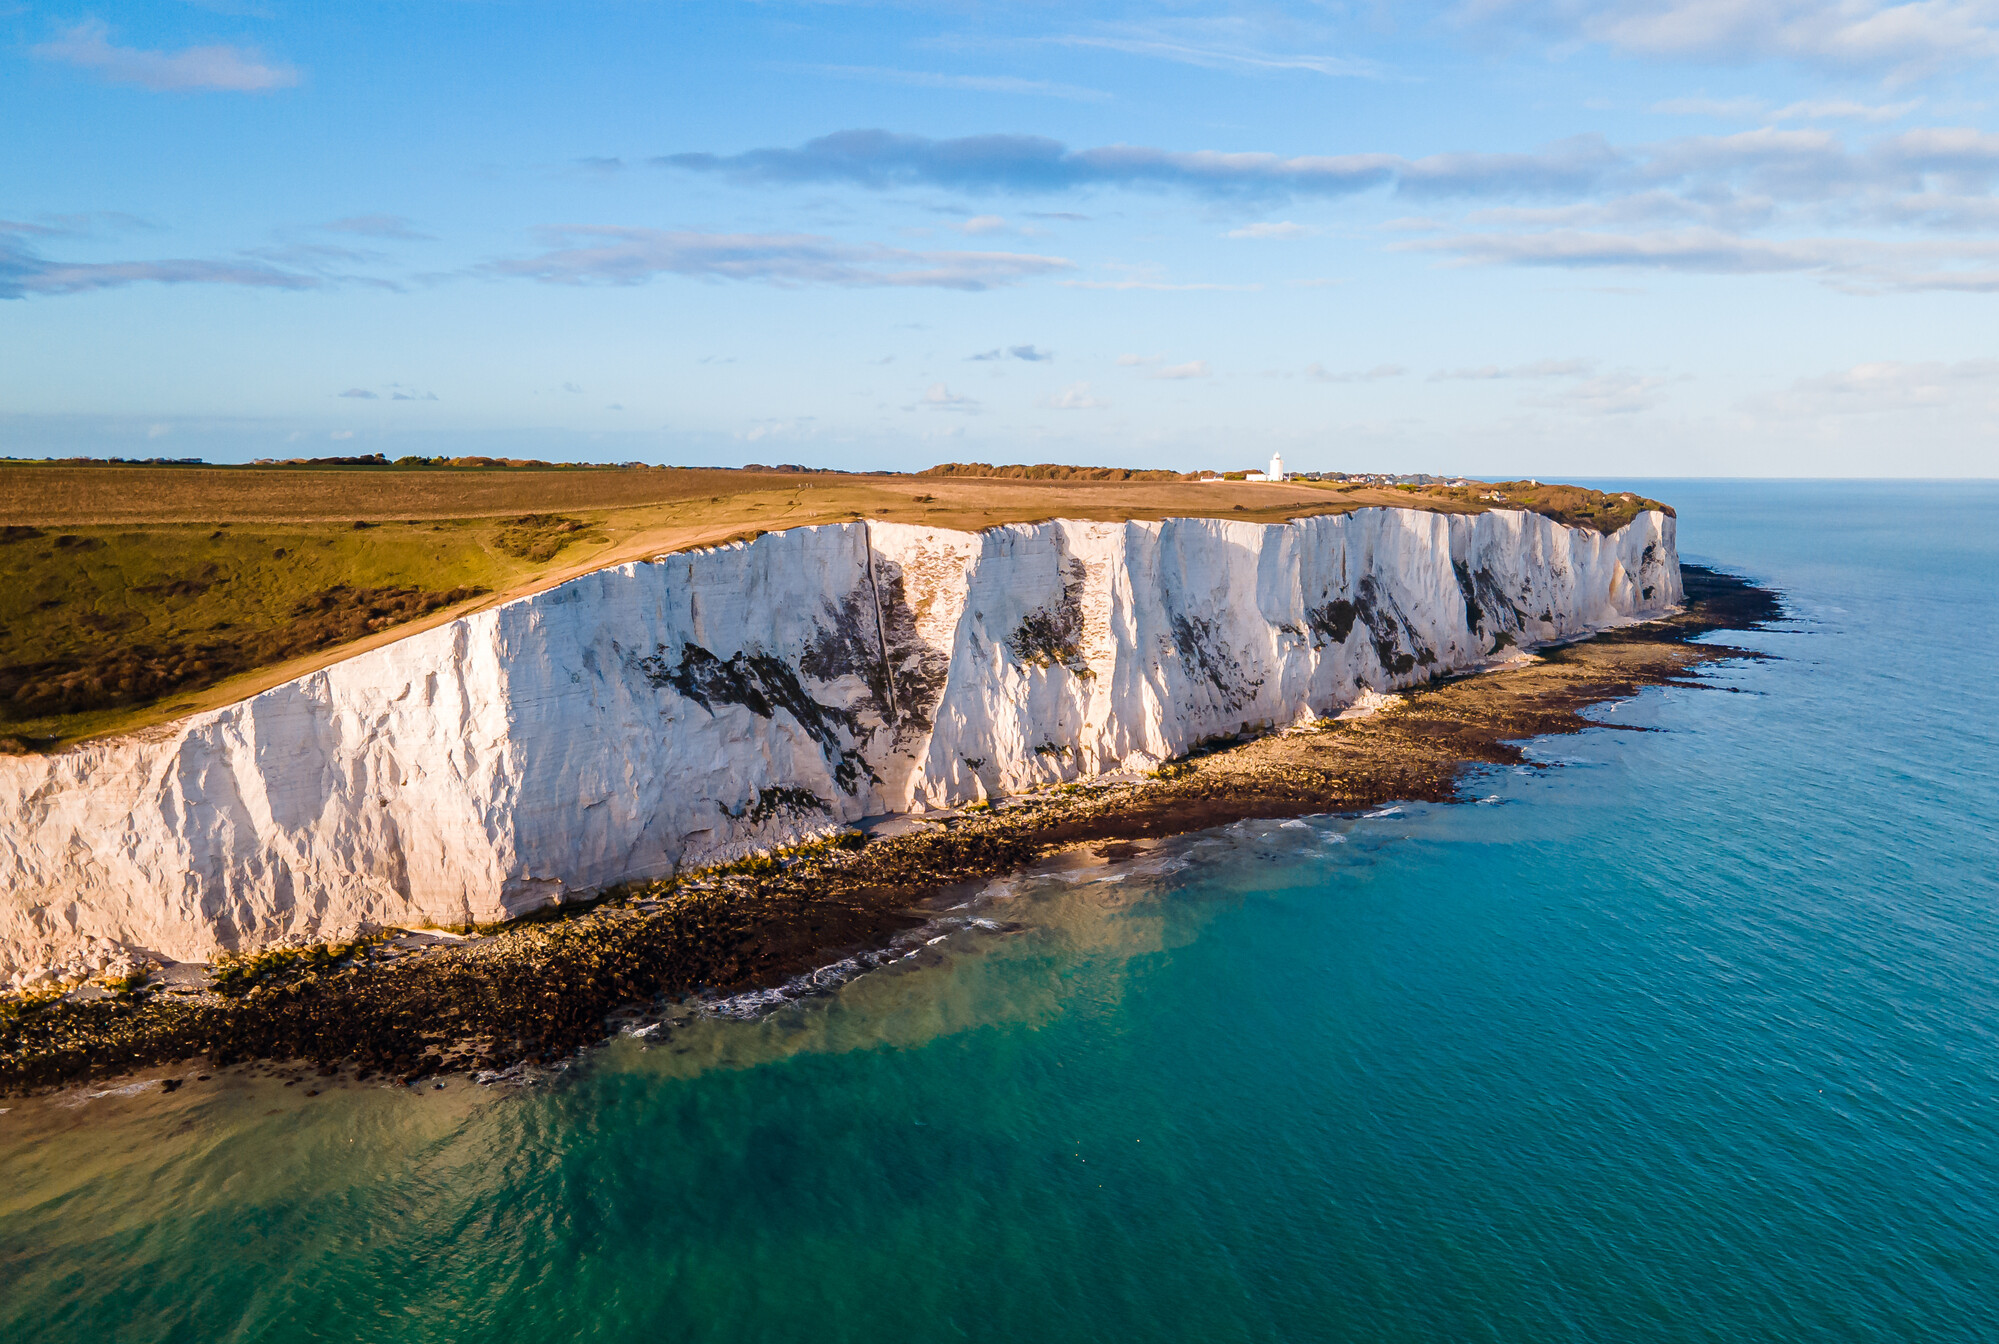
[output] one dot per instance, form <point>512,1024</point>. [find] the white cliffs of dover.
<point>690,709</point>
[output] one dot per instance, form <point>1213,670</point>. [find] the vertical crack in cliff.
<point>1474,617</point>
<point>916,669</point>
<point>881,627</point>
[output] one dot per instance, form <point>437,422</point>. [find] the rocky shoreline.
<point>408,1004</point>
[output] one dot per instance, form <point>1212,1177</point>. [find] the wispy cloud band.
<point>1857,264</point>
<point>1031,163</point>
<point>1786,164</point>
<point>88,46</point>
<point>24,271</point>
<point>582,255</point>
<point>1902,41</point>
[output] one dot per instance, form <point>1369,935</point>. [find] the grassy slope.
<point>99,562</point>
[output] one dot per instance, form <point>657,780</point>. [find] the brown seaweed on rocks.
<point>539,989</point>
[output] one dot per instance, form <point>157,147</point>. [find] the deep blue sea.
<point>1692,1036</point>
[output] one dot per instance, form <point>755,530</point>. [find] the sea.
<point>1687,1029</point>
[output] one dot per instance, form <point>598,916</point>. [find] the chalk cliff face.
<point>703,705</point>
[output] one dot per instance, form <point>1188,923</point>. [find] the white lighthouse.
<point>1276,467</point>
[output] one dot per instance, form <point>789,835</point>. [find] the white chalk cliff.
<point>698,706</point>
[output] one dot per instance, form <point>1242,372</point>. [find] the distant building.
<point>1276,472</point>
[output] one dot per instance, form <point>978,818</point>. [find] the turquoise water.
<point>1695,1037</point>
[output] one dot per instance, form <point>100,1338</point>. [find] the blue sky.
<point>1565,237</point>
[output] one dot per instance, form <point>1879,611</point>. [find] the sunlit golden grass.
<point>132,595</point>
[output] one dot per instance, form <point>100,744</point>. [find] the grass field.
<point>131,595</point>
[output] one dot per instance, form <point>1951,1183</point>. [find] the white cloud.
<point>1319,374</point>
<point>1728,108</point>
<point>1901,41</point>
<point>1075,397</point>
<point>1033,354</point>
<point>938,397</point>
<point>1828,109</point>
<point>341,434</point>
<point>1540,368</point>
<point>1606,394</point>
<point>379,226</point>
<point>924,79</point>
<point>1277,229</point>
<point>223,68</point>
<point>796,427</point>
<point>1888,386</point>
<point>1854,264</point>
<point>1159,285</point>
<point>978,224</point>
<point>1216,44</point>
<point>1193,368</point>
<point>1810,109</point>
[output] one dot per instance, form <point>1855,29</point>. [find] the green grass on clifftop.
<point>97,620</point>
<point>131,594</point>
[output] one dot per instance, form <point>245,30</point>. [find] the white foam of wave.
<point>128,1090</point>
<point>822,981</point>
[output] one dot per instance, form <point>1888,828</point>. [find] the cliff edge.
<point>705,704</point>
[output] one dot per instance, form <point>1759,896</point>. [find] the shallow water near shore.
<point>1693,1036</point>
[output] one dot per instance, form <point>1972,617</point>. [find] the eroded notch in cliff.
<point>762,684</point>
<point>1334,620</point>
<point>1651,569</point>
<point>779,801</point>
